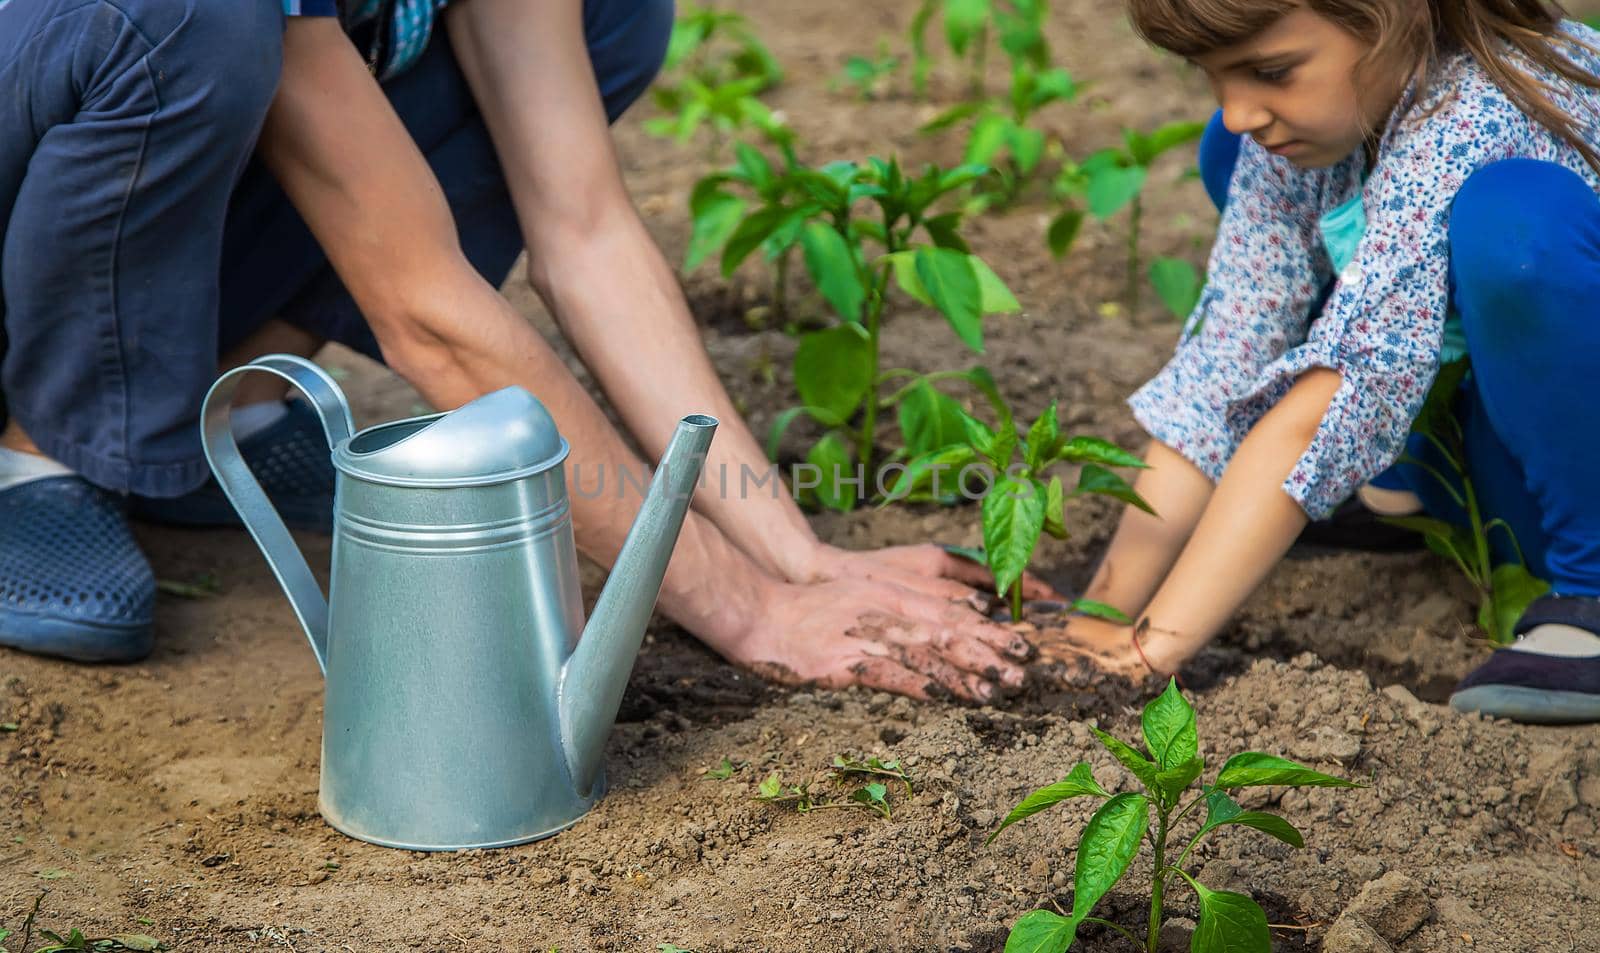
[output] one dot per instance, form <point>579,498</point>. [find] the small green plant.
<point>1178,285</point>
<point>1228,922</point>
<point>832,215</point>
<point>968,25</point>
<point>869,76</point>
<point>1003,136</point>
<point>715,70</point>
<point>872,796</point>
<point>1020,503</point>
<point>722,771</point>
<point>1506,590</point>
<point>1109,181</point>
<point>74,940</point>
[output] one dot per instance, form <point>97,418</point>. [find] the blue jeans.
<point>140,238</point>
<point>1525,277</point>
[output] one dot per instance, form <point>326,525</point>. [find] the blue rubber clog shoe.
<point>291,459</point>
<point>1539,689</point>
<point>73,583</point>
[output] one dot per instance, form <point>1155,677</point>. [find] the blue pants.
<point>138,238</point>
<point>1525,278</point>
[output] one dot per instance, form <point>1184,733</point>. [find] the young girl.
<point>1403,182</point>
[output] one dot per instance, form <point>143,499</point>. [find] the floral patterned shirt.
<point>1253,332</point>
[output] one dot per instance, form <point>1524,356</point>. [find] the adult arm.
<point>368,195</point>
<point>608,286</point>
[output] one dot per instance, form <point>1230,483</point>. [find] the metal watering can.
<point>462,708</point>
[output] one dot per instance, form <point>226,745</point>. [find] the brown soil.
<point>178,797</point>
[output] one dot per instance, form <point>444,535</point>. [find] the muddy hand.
<point>924,568</point>
<point>1095,644</point>
<point>879,635</point>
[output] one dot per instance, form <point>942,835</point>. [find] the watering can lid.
<point>505,435</point>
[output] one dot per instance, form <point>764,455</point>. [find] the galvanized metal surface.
<point>462,708</point>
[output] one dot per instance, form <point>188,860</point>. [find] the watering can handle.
<point>244,491</point>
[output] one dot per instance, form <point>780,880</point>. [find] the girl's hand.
<point>1103,646</point>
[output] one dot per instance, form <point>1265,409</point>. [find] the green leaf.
<point>833,267</point>
<point>1229,923</point>
<point>1063,232</point>
<point>929,420</point>
<point>1042,932</point>
<point>962,20</point>
<point>953,116</point>
<point>1141,767</point>
<point>1177,283</point>
<point>952,284</point>
<point>1110,841</point>
<point>1512,589</point>
<point>937,473</point>
<point>1221,809</point>
<point>1438,411</point>
<point>943,229</point>
<point>1095,450</point>
<point>1100,611</point>
<point>993,295</point>
<point>715,221</point>
<point>1013,517</point>
<point>1254,769</point>
<point>1112,188</point>
<point>1027,147</point>
<point>1079,782</point>
<point>905,275</point>
<point>781,425</point>
<point>771,785</point>
<point>752,166</point>
<point>837,467</point>
<point>749,236</point>
<point>833,369</point>
<point>137,941</point>
<point>1099,480</point>
<point>989,135</point>
<point>1055,509</point>
<point>1163,139</point>
<point>981,379</point>
<point>1042,437</point>
<point>1172,782</point>
<point>1169,728</point>
<point>10,726</point>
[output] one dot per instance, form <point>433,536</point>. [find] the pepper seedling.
<point>968,25</point>
<point>1228,922</point>
<point>713,73</point>
<point>832,215</point>
<point>1020,503</point>
<point>1109,181</point>
<point>1506,590</point>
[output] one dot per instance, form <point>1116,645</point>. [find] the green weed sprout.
<point>834,215</point>
<point>873,796</point>
<point>868,75</point>
<point>715,70</point>
<point>75,940</point>
<point>1109,181</point>
<point>1021,504</point>
<point>1228,922</point>
<point>1506,590</point>
<point>968,25</point>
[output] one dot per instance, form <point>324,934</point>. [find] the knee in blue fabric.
<point>231,54</point>
<point>627,44</point>
<point>1515,227</point>
<point>1219,153</point>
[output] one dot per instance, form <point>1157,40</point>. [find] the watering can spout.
<point>594,677</point>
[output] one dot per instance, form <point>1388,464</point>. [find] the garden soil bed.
<point>178,797</point>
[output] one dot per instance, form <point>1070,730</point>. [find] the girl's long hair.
<point>1498,34</point>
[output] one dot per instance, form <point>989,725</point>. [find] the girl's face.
<point>1292,88</point>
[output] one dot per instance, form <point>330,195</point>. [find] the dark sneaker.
<point>1534,688</point>
<point>73,583</point>
<point>1353,526</point>
<point>291,459</point>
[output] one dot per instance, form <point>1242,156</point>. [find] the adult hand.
<point>880,635</point>
<point>924,568</point>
